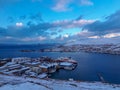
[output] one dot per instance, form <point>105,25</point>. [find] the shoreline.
<point>103,49</point>
<point>53,84</point>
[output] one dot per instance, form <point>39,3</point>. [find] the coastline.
<point>113,49</point>
<point>51,84</point>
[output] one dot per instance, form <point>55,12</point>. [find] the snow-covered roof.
<point>43,75</point>
<point>65,64</point>
<point>43,66</point>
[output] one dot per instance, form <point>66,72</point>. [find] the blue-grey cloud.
<point>45,29</point>
<point>2,31</point>
<point>59,24</point>
<point>54,33</point>
<point>23,17</point>
<point>39,31</point>
<point>110,25</point>
<point>65,5</point>
<point>86,2</point>
<point>14,31</point>
<point>10,19</point>
<point>37,17</point>
<point>80,17</point>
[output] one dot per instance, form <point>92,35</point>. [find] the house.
<point>4,61</point>
<point>37,70</point>
<point>44,68</point>
<point>48,67</point>
<point>21,60</point>
<point>32,64</point>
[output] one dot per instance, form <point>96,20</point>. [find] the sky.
<point>59,21</point>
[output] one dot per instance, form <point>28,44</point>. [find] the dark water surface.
<point>89,64</point>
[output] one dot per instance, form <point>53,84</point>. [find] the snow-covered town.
<point>97,48</point>
<point>35,67</point>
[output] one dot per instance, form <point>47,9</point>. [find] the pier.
<point>101,78</point>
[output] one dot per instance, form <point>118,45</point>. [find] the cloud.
<point>66,35</point>
<point>94,37</point>
<point>66,5</point>
<point>99,32</point>
<point>10,19</point>
<point>80,17</point>
<point>13,34</point>
<point>24,40</point>
<point>20,31</point>
<point>56,5</point>
<point>23,17</point>
<point>41,31</point>
<point>19,24</point>
<point>86,2</point>
<point>52,31</point>
<point>111,35</point>
<point>72,23</point>
<point>62,5</point>
<point>37,17</point>
<point>79,36</point>
<point>110,25</point>
<point>2,31</point>
<point>84,33</point>
<point>60,24</point>
<point>39,38</point>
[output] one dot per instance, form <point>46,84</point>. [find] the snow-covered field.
<point>24,83</point>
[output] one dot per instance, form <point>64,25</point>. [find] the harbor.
<point>35,67</point>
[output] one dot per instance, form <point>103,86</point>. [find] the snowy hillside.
<point>21,83</point>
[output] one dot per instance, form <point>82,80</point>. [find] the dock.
<point>101,78</point>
